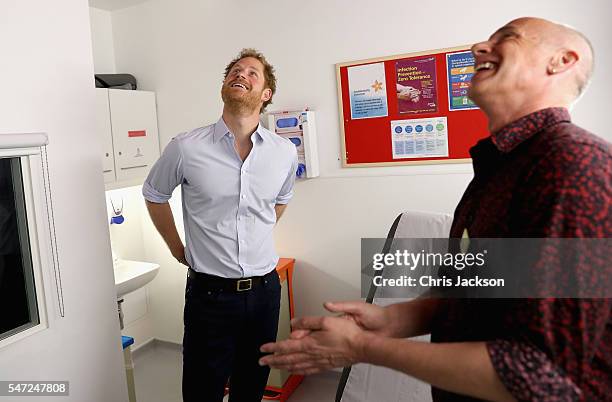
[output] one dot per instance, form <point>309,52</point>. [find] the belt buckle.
<point>248,285</point>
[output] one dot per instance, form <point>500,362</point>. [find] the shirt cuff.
<point>528,374</point>
<point>285,198</point>
<point>152,195</point>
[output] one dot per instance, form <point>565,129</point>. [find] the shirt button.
<point>243,196</point>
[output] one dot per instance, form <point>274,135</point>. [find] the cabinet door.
<point>134,126</point>
<point>103,129</point>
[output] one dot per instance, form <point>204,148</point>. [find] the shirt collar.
<point>221,130</point>
<point>513,134</point>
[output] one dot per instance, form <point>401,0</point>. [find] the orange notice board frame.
<point>367,141</point>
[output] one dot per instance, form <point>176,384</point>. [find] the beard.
<point>242,103</point>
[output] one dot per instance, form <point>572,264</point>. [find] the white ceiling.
<point>114,4</point>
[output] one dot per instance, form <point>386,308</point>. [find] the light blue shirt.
<point>228,204</point>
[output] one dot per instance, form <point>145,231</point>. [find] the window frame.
<point>35,199</point>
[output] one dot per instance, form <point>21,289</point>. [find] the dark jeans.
<point>223,332</point>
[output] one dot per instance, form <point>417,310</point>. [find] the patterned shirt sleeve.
<point>555,346</point>
<point>529,374</point>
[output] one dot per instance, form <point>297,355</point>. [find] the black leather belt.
<point>211,282</point>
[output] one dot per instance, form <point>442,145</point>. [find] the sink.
<point>132,275</point>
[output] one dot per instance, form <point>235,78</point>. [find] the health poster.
<point>419,138</point>
<point>416,85</point>
<point>460,69</point>
<point>368,92</point>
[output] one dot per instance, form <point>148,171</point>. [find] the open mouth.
<point>239,85</point>
<point>487,65</point>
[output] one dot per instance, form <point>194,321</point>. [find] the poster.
<point>416,85</point>
<point>367,90</point>
<point>419,138</point>
<point>460,70</point>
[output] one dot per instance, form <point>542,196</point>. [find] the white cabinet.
<point>127,123</point>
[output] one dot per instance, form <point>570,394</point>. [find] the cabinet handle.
<point>133,167</point>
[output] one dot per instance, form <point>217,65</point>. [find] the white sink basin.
<point>132,275</point>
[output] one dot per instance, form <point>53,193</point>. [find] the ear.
<point>266,94</point>
<point>564,60</point>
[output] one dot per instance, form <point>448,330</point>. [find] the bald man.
<point>537,175</point>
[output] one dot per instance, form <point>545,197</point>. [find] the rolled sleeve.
<point>165,175</point>
<point>554,354</point>
<point>528,374</point>
<point>286,192</point>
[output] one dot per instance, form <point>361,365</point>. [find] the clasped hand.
<point>408,93</point>
<point>321,343</point>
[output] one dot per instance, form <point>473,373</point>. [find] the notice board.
<point>408,109</point>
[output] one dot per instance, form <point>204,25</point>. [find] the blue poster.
<point>460,70</point>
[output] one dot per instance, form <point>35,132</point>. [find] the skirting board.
<point>155,343</point>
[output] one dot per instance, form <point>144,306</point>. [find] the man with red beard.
<point>537,176</point>
<point>236,179</point>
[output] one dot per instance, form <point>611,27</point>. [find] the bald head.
<point>529,64</point>
<point>569,46</point>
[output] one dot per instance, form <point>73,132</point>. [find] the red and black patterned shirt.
<point>540,176</point>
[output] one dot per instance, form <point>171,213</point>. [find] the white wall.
<point>102,41</point>
<point>179,50</point>
<point>47,85</point>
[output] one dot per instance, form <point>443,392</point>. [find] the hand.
<point>369,317</point>
<point>179,253</point>
<point>330,342</point>
<point>408,93</point>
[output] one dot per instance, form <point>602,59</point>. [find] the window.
<point>27,256</point>
<point>18,304</point>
